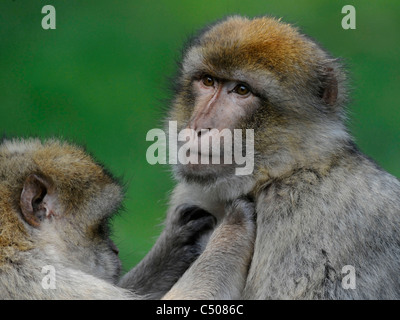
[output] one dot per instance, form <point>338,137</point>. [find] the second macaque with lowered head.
<point>323,208</point>
<point>56,203</point>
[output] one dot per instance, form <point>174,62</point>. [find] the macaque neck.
<point>213,197</point>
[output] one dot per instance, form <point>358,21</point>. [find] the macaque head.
<point>60,201</point>
<point>256,74</point>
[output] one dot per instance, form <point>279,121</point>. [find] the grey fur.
<point>320,203</point>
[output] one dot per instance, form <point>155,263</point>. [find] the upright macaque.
<point>321,204</point>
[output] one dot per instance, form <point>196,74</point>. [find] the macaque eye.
<point>208,81</point>
<point>241,89</point>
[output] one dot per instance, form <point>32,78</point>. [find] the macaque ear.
<point>37,199</point>
<point>329,88</point>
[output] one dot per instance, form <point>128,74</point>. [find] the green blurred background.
<point>100,79</point>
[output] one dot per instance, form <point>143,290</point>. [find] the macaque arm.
<point>221,270</point>
<point>175,250</point>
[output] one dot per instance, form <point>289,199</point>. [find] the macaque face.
<point>258,75</point>
<point>220,106</point>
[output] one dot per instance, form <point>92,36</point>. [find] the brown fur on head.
<point>300,90</point>
<point>82,197</point>
<point>259,48</point>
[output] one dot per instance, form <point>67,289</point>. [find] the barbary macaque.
<point>321,204</point>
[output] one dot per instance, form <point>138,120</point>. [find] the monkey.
<point>321,204</point>
<point>56,206</point>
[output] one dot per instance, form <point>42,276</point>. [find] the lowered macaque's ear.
<point>329,88</point>
<point>37,199</point>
